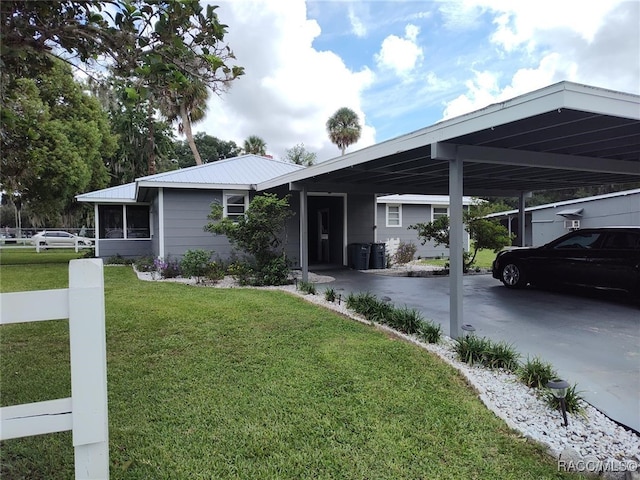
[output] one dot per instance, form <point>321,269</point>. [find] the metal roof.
<point>624,193</point>
<point>562,136</point>
<point>119,194</point>
<point>241,173</point>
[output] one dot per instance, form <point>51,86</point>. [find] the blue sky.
<point>405,65</point>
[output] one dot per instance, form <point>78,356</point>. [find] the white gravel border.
<point>592,443</point>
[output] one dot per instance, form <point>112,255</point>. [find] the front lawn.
<point>253,384</point>
<point>484,259</point>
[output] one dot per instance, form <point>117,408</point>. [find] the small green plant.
<point>573,400</point>
<point>330,295</point>
<point>171,269</point>
<point>471,349</point>
<point>273,272</point>
<point>195,263</point>
<point>536,373</point>
<point>501,355</point>
<point>118,260</point>
<point>215,271</point>
<point>429,331</point>
<point>145,264</point>
<point>407,320</point>
<point>405,252</point>
<point>307,287</point>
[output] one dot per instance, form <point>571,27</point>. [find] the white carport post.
<point>522,218</point>
<point>443,151</point>
<point>304,235</point>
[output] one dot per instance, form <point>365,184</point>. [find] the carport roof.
<point>562,136</point>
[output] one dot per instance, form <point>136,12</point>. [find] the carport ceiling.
<point>562,136</point>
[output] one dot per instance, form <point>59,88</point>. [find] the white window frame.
<point>394,205</point>
<point>233,193</point>
<point>433,211</point>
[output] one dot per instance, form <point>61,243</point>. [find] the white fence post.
<point>85,413</point>
<point>88,353</point>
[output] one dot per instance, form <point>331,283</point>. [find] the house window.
<point>394,215</point>
<point>123,221</point>
<point>235,204</point>
<point>440,212</point>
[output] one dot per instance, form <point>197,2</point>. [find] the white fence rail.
<point>85,412</point>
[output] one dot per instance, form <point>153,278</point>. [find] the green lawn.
<point>484,259</point>
<point>250,384</point>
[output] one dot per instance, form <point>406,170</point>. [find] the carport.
<point>562,136</point>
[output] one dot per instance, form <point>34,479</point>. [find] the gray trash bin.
<point>377,258</point>
<point>359,255</point>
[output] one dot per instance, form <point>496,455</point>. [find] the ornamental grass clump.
<point>573,400</point>
<point>535,373</point>
<point>307,287</point>
<point>429,331</point>
<point>471,349</point>
<point>330,295</point>
<point>406,320</point>
<point>501,355</point>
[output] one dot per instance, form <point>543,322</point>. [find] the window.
<point>394,215</point>
<point>440,212</point>
<point>235,205</point>
<point>123,221</point>
<point>138,221</point>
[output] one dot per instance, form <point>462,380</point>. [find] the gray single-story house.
<point>395,213</point>
<point>565,135</point>
<point>544,223</point>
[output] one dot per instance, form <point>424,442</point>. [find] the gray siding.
<point>185,215</point>
<point>604,212</point>
<point>134,248</point>
<point>411,214</point>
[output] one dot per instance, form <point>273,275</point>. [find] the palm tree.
<point>255,145</point>
<point>187,105</point>
<point>344,128</point>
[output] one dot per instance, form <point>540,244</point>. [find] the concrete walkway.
<point>591,339</point>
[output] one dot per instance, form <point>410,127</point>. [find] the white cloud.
<point>289,89</point>
<point>357,26</point>
<point>400,54</point>
<point>594,43</point>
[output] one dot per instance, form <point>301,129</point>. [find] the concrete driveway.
<point>591,339</point>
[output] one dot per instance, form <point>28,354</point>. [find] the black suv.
<point>607,257</point>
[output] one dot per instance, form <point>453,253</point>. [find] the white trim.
<point>345,260</point>
<point>433,208</point>
<point>386,209</point>
<point>96,231</point>
<point>229,193</point>
<point>161,247</point>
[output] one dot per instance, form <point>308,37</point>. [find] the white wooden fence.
<point>85,412</point>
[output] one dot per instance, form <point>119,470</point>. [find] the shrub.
<point>307,287</point>
<point>273,272</point>
<point>195,263</point>
<point>573,400</point>
<point>118,260</point>
<point>145,264</point>
<point>171,269</point>
<point>242,271</point>
<point>405,252</point>
<point>535,373</point>
<point>501,355</point>
<point>429,331</point>
<point>215,271</point>
<point>330,295</point>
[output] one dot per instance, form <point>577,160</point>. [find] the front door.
<point>323,235</point>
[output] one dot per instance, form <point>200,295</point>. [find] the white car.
<point>56,238</point>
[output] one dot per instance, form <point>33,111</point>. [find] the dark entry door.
<point>323,236</point>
